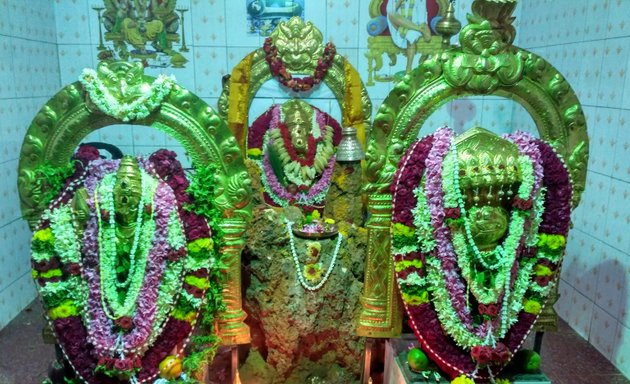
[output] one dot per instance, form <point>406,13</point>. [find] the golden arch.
<point>70,115</point>
<point>481,66</point>
<point>253,71</point>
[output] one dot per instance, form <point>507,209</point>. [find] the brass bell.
<point>349,149</point>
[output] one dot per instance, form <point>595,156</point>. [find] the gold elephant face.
<point>124,80</point>
<point>488,225</point>
<point>299,116</point>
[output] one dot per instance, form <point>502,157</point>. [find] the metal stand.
<point>101,46</point>
<point>181,11</point>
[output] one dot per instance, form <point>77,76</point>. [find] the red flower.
<point>124,323</point>
<point>500,354</point>
<point>176,254</point>
<point>73,269</point>
<point>543,281</point>
<point>201,273</point>
<point>547,263</point>
<point>521,204</point>
<point>481,354</point>
<point>46,265</point>
<point>196,292</point>
<point>488,310</point>
<point>86,153</point>
<point>452,213</point>
<point>105,215</point>
<point>148,208</point>
<point>120,365</point>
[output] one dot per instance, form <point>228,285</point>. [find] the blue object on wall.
<point>377,25</point>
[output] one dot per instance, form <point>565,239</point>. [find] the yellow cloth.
<point>238,102</point>
<point>352,103</point>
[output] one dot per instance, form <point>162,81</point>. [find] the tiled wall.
<point>218,40</point>
<point>29,75</point>
<point>589,42</point>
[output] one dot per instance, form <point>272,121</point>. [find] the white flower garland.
<point>139,108</point>
<point>143,238</point>
<point>300,275</point>
<point>66,242</point>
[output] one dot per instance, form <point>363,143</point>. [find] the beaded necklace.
<point>298,270</point>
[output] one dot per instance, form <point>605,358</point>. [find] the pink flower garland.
<point>548,171</point>
<point>101,327</point>
<point>82,346</point>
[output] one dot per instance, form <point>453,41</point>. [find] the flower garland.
<point>463,339</point>
<point>260,126</point>
<point>139,108</point>
<point>301,173</point>
<point>298,170</point>
<point>280,72</point>
<point>282,197</point>
<point>174,285</point>
<point>296,261</point>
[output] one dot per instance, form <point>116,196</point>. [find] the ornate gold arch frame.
<point>70,115</point>
<point>486,64</point>
<point>294,37</point>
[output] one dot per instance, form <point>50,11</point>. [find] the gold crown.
<point>297,107</point>
<point>488,166</point>
<point>129,167</point>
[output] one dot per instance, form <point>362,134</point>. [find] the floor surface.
<point>567,358</point>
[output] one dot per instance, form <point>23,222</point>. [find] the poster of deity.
<point>401,27</point>
<point>264,15</point>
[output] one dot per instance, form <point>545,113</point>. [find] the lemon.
<point>171,367</point>
<point>417,360</point>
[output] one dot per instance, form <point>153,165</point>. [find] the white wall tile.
<point>16,297</point>
<point>621,351</point>
<point>210,66</point>
<point>73,59</point>
<point>342,23</point>
<point>602,333</point>
<point>72,18</point>
<point>209,24</point>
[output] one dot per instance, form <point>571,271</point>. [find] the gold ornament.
<point>486,63</point>
<point>299,44</point>
<point>170,367</point>
<point>68,117</point>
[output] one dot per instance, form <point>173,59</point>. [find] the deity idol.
<point>298,146</point>
<point>479,228</point>
<point>123,269</point>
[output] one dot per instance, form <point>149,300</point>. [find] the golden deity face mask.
<point>298,44</point>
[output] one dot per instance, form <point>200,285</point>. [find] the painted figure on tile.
<point>404,27</point>
<point>139,22</point>
<point>408,22</point>
<point>264,15</point>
